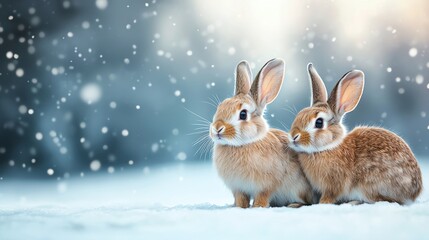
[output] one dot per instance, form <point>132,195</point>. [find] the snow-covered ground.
<point>187,202</point>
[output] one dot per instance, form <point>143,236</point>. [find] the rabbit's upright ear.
<point>243,77</point>
<point>268,82</point>
<point>346,94</point>
<point>318,89</point>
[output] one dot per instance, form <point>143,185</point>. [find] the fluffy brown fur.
<point>371,160</point>
<point>253,160</point>
<point>368,164</point>
<point>260,170</point>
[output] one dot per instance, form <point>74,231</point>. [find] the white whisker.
<point>214,101</point>
<point>201,124</point>
<point>198,150</point>
<point>200,139</point>
<point>210,103</point>
<point>197,115</point>
<point>218,100</point>
<point>284,126</point>
<point>202,121</point>
<point>200,132</point>
<point>207,148</point>
<point>289,111</point>
<point>198,128</point>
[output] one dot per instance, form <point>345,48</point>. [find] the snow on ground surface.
<point>187,202</point>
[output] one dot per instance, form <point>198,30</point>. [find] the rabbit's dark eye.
<point>243,115</point>
<point>319,123</point>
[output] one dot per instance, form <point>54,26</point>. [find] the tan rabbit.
<point>369,164</point>
<point>252,159</point>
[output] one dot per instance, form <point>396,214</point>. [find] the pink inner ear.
<point>271,82</point>
<point>351,91</point>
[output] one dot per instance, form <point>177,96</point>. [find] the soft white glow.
<point>39,136</point>
<point>125,132</point>
<point>95,165</point>
<point>50,171</point>
<point>90,93</point>
<point>101,4</point>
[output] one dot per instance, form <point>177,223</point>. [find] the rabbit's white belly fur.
<point>288,192</point>
<point>348,193</point>
<point>288,187</point>
<point>244,178</point>
<point>243,185</point>
<point>354,194</point>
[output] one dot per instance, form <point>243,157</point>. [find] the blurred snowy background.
<point>103,86</point>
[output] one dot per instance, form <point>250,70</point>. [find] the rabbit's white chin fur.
<point>238,142</point>
<point>313,149</point>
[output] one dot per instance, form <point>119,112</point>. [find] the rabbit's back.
<point>385,165</point>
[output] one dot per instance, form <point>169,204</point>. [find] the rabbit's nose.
<point>220,129</point>
<point>296,137</point>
